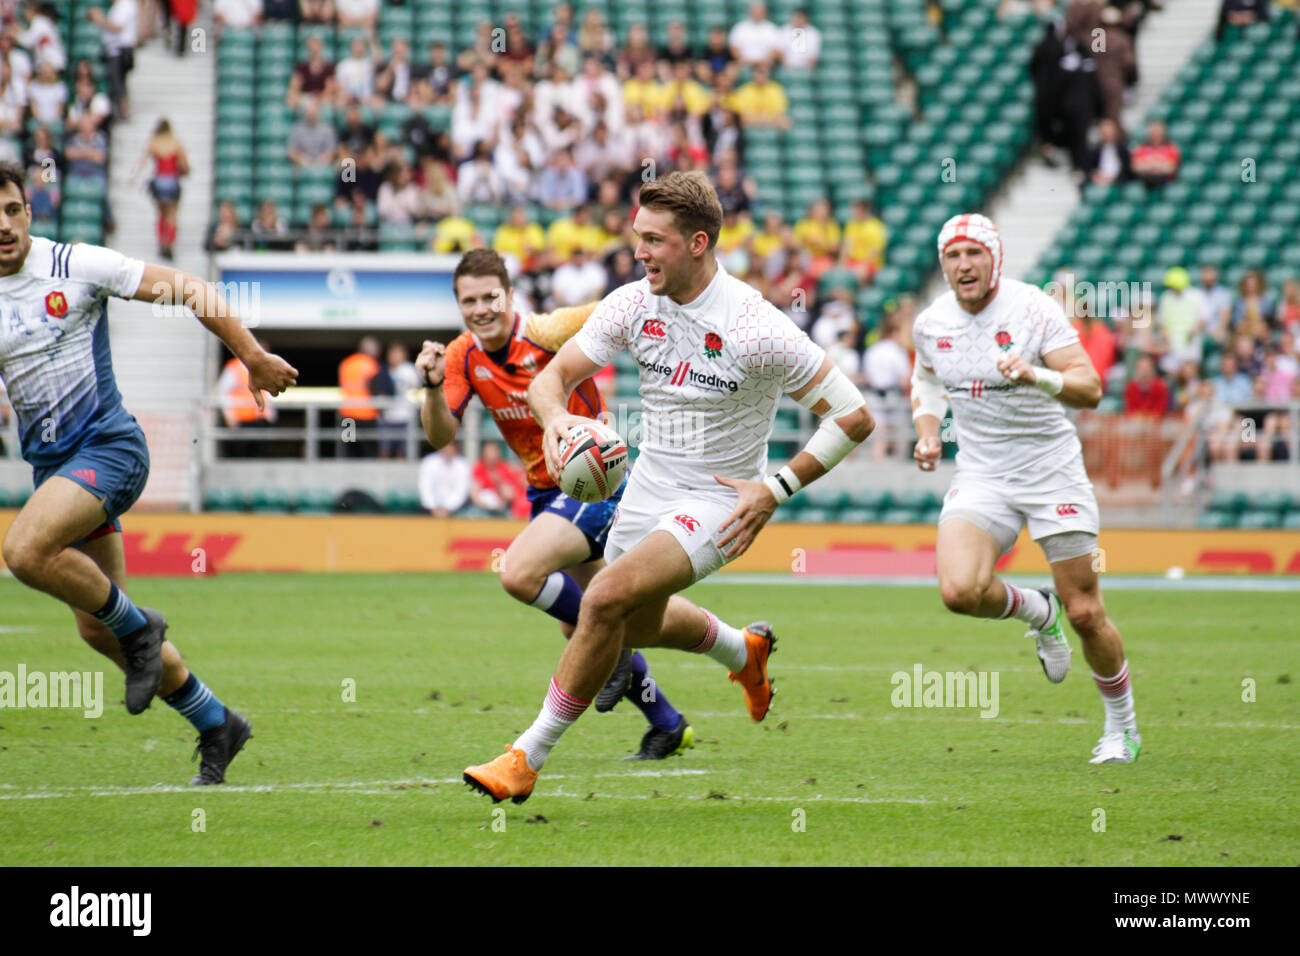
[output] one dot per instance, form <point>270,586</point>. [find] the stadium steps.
<point>1037,201</point>
<point>162,363</point>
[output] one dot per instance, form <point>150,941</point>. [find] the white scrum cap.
<point>975,228</point>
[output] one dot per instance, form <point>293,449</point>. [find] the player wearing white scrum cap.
<point>1002,353</point>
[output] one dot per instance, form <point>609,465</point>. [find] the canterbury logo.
<point>86,475</point>
<point>944,344</point>
<point>687,522</point>
<point>1066,511</point>
<point>654,328</point>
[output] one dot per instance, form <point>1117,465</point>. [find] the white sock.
<point>559,712</point>
<point>1117,698</point>
<point>1028,605</point>
<point>724,643</point>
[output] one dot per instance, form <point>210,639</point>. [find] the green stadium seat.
<point>1270,500</point>
<point>269,501</point>
<point>314,501</point>
<point>1228,501</point>
<point>224,499</point>
<point>900,516</point>
<point>872,499</point>
<point>402,501</point>
<point>1259,520</point>
<point>1216,520</point>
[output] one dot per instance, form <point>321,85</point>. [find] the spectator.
<point>476,111</point>
<point>1287,315</point>
<point>1116,64</point>
<point>20,64</point>
<point>594,38</point>
<point>1186,382</point>
<point>226,232</point>
<point>636,50</point>
<point>42,155</point>
<point>359,14</point>
<point>270,231</point>
<point>1232,386</point>
<point>280,10</point>
<point>356,133</point>
<point>444,481</point>
<point>568,235</point>
<point>354,76</point>
<point>314,77</point>
<point>312,143</point>
<point>734,194</point>
<point>558,51</point>
<point>238,14</point>
<point>13,107</point>
<point>865,239</point>
<point>1156,161</point>
<point>44,192</point>
<point>768,240</point>
<point>360,235</point>
<point>837,315</point>
<point>1240,13</point>
<point>1146,393</point>
<point>361,182</point>
<point>170,164</point>
<point>596,95</point>
<point>620,269</point>
<point>183,14</point>
<point>42,35</point>
<point>722,131</point>
<point>239,410</point>
<point>1230,391</point>
<point>736,231</point>
<point>400,202</point>
<point>478,180</point>
<point>1109,161</point>
<point>455,234</point>
<point>801,42</point>
<point>603,155</point>
<point>581,279</point>
<point>1216,304</point>
<point>496,486</point>
<point>440,198</point>
<point>756,40</point>
<point>1249,353</point>
<point>1098,341</point>
<point>1178,319</point>
<point>761,101</point>
<point>86,152</point>
<point>520,238</point>
<point>437,76</point>
<point>717,53</point>
<point>395,381</point>
<point>46,95</point>
<point>356,375</point>
<point>120,31</point>
<point>316,11</point>
<point>518,48</point>
<point>87,100</point>
<point>844,353</point>
<point>562,186</point>
<point>1287,359</point>
<point>676,48</point>
<point>1255,308</point>
<point>820,235</point>
<point>1067,98</point>
<point>319,235</point>
<point>888,363</point>
<point>396,78</point>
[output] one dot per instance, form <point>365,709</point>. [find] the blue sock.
<point>118,614</point>
<point>197,704</point>
<point>559,597</point>
<point>657,710</point>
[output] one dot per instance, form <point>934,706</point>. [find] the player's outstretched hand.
<point>742,526</point>
<point>927,452</point>
<point>1015,368</point>
<point>272,374</point>
<point>556,430</point>
<point>431,363</point>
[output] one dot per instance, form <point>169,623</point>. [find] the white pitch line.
<point>1117,582</point>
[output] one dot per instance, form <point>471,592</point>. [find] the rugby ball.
<point>593,462</point>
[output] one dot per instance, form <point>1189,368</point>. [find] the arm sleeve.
<point>772,344</point>
<point>1057,330</point>
<point>552,329</point>
<point>456,387</point>
<point>609,327</point>
<point>108,270</point>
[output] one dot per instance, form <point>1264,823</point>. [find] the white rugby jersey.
<point>712,373</point>
<point>54,355</point>
<point>1003,427</point>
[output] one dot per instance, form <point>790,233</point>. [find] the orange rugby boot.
<point>507,776</point>
<point>753,679</point>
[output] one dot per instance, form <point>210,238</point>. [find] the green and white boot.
<point>1117,746</point>
<point>1053,647</point>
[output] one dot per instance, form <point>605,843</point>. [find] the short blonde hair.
<point>691,199</point>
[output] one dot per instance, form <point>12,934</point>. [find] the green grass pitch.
<point>448,669</point>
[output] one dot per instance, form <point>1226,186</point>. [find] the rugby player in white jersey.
<point>1003,354</point>
<point>715,358</point>
<point>89,458</point>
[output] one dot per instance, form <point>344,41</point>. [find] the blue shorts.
<point>114,469</point>
<point>591,518</point>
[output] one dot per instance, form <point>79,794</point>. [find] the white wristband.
<point>783,484</point>
<point>1048,380</point>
